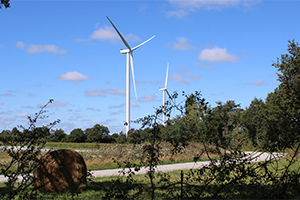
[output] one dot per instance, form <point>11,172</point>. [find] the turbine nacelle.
<point>125,51</point>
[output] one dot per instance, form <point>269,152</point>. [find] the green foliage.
<point>5,3</point>
<point>222,131</point>
<point>57,136</point>
<point>77,135</point>
<point>121,138</point>
<point>288,67</point>
<point>251,120</point>
<point>275,124</point>
<point>221,123</point>
<point>97,133</point>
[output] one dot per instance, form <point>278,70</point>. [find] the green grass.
<point>79,146</point>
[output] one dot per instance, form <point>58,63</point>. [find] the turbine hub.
<point>124,51</point>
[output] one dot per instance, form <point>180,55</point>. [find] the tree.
<point>77,135</point>
<point>222,125</point>
<point>97,133</point>
<point>252,120</point>
<point>58,135</point>
<point>288,67</point>
<point>5,135</point>
<point>134,136</point>
<point>121,138</point>
<point>5,3</point>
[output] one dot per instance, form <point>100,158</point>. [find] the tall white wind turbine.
<point>164,90</point>
<point>129,59</point>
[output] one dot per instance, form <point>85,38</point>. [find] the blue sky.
<point>68,51</point>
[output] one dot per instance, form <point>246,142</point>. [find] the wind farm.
<point>76,60</point>
<point>64,85</point>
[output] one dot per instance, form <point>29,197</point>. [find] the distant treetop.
<point>5,3</point>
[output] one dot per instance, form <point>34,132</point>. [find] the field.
<point>100,156</point>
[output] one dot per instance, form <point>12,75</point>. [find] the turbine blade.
<point>132,70</point>
<point>122,38</point>
<point>134,48</point>
<point>166,82</point>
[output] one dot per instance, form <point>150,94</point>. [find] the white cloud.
<point>148,98</point>
<point>22,115</point>
<point>192,76</point>
<point>179,78</point>
<point>5,121</point>
<point>132,38</point>
<point>20,45</point>
<point>94,109</point>
<point>7,95</point>
<point>74,77</point>
<point>178,13</point>
<point>5,113</point>
<point>55,104</point>
<point>32,48</point>
<point>133,104</point>
<point>30,107</point>
<point>258,82</point>
<point>108,33</point>
<point>99,92</point>
<point>207,4</point>
<point>118,106</point>
<point>189,74</point>
<point>182,44</point>
<point>115,91</point>
<point>206,67</point>
<point>217,55</point>
<point>116,113</point>
<point>1,103</point>
<point>143,7</point>
<point>184,7</point>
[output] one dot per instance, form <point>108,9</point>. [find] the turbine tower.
<point>164,90</point>
<point>129,59</point>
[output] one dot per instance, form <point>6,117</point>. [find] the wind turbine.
<point>164,90</point>
<point>129,59</point>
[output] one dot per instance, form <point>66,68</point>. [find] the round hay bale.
<point>60,170</point>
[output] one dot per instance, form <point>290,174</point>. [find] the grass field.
<point>100,156</point>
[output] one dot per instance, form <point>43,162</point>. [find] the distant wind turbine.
<point>129,59</point>
<point>164,90</point>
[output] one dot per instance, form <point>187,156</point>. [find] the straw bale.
<point>60,170</point>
